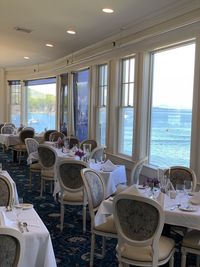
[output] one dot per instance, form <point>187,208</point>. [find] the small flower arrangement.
<point>79,153</point>
<point>152,182</point>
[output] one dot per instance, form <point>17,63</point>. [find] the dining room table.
<point>179,211</point>
<point>112,177</point>
<point>38,249</point>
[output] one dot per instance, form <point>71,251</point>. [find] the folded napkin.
<point>108,166</point>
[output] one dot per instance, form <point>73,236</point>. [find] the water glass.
<point>18,208</point>
<point>180,192</point>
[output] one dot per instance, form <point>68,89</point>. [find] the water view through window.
<point>40,105</point>
<point>171,113</point>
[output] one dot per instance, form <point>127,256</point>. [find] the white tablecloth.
<point>14,188</point>
<point>38,246</point>
<point>189,219</point>
<point>11,139</point>
<point>111,179</point>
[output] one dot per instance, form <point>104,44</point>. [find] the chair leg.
<point>183,258</point>
<point>41,187</point>
<point>198,261</point>
<point>84,218</point>
<point>171,261</point>
<point>92,250</point>
<point>62,214</point>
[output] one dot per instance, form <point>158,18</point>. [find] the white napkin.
<point>108,166</point>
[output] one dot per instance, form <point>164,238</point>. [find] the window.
<point>81,101</point>
<point>102,103</point>
<point>126,112</point>
<point>15,102</point>
<point>41,104</point>
<point>64,103</point>
<point>171,110</point>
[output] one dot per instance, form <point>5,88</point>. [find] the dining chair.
<point>190,244</point>
<point>92,142</point>
<point>95,191</point>
<point>35,166</point>
<point>139,222</point>
<point>7,129</point>
<point>71,186</point>
<point>21,147</point>
<point>11,247</point>
<point>98,154</point>
<point>178,174</point>
<point>47,134</point>
<point>55,135</point>
<point>6,192</point>
<point>73,141</point>
<point>9,124</point>
<point>136,171</point>
<point>47,160</point>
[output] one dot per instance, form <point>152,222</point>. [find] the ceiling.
<point>48,21</point>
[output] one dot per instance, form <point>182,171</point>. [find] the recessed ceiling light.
<point>71,32</point>
<point>49,45</point>
<point>107,10</point>
<point>26,57</point>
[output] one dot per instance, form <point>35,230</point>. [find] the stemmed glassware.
<point>18,208</point>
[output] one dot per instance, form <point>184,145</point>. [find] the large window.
<point>102,103</point>
<point>15,102</point>
<point>171,111</point>
<point>41,104</point>
<point>81,101</point>
<point>126,112</point>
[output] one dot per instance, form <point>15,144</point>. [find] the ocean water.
<point>170,134</point>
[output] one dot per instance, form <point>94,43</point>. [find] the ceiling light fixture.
<point>26,57</point>
<point>49,45</point>
<point>108,10</point>
<point>71,32</point>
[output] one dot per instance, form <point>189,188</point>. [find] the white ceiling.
<point>49,20</point>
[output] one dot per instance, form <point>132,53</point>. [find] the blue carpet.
<point>71,247</point>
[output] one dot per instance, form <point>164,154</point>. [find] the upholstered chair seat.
<point>165,246</point>
<point>35,166</point>
<point>47,160</point>
<point>139,223</point>
<point>21,147</point>
<point>71,184</point>
<point>95,191</point>
<point>190,244</point>
<point>74,197</point>
<point>11,247</point>
<point>6,193</point>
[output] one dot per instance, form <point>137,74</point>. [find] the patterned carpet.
<point>71,247</point>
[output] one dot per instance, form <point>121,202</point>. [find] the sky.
<point>173,77</point>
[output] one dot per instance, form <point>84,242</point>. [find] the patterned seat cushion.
<point>48,173</point>
<point>73,197</point>
<point>35,166</point>
<point>165,246</point>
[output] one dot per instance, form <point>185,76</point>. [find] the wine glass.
<point>18,208</point>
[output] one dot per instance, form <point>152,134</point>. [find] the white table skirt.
<point>174,217</point>
<point>11,139</point>
<point>14,188</point>
<point>38,246</point>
